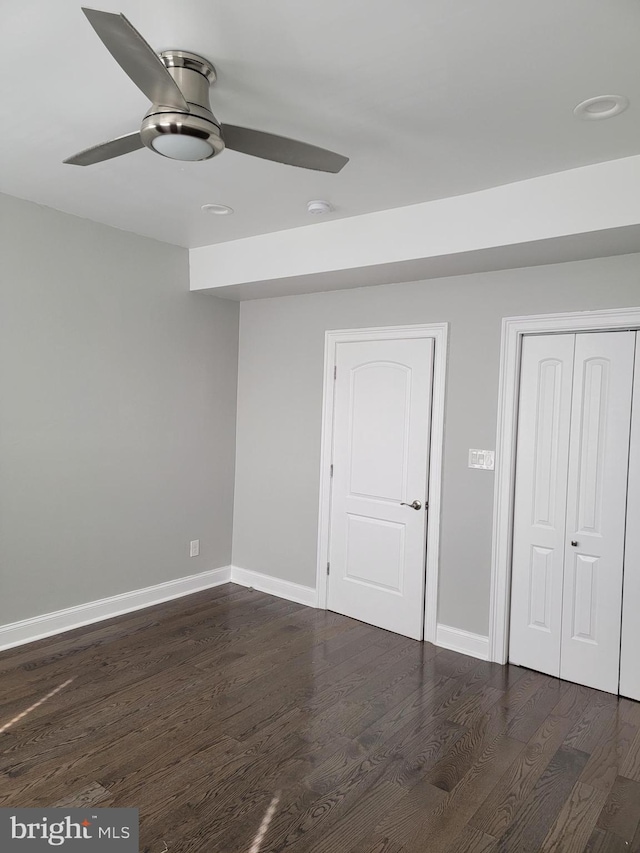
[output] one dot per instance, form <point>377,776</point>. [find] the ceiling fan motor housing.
<point>185,136</point>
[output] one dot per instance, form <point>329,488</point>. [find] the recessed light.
<point>604,106</point>
<point>318,207</point>
<point>217,209</point>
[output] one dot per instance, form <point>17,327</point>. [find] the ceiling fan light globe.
<point>181,136</point>
<point>182,146</point>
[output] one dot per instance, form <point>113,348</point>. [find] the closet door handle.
<point>574,543</point>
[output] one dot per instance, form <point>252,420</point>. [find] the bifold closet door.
<point>570,505</point>
<point>630,648</point>
<point>542,453</point>
<point>596,509</point>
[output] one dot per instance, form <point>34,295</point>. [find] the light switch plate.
<point>481,459</point>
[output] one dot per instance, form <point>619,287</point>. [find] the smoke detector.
<point>317,207</point>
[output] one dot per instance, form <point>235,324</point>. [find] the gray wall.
<point>280,403</point>
<point>117,413</point>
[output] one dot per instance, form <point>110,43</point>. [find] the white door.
<point>630,648</point>
<point>542,452</point>
<point>382,415</point>
<point>570,505</point>
<point>596,509</point>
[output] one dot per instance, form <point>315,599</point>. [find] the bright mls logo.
<point>72,830</point>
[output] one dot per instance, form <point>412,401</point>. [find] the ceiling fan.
<point>179,123</point>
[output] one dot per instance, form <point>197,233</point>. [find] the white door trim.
<point>439,333</point>
<point>513,330</point>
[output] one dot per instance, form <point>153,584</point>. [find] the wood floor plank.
<point>621,812</point>
<point>93,795</point>
<point>440,827</point>
<point>608,756</point>
<point>314,814</point>
<point>575,823</point>
<point>534,817</point>
<point>630,767</point>
<point>472,840</point>
<point>377,845</point>
<point>606,842</point>
<point>600,713</point>
<point>529,715</point>
<point>356,823</point>
<point>473,708</point>
<point>420,751</point>
<point>629,711</point>
<point>399,823</point>
<point>498,810</point>
<point>460,758</point>
<point>209,712</point>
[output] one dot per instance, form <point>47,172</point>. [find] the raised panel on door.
<point>630,646</point>
<point>540,501</point>
<point>377,546</point>
<point>596,509</point>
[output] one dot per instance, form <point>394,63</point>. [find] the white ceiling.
<point>429,98</point>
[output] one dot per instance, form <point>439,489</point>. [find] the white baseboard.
<point>39,627</point>
<point>49,624</point>
<point>457,640</point>
<point>274,586</point>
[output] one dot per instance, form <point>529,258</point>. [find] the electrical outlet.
<point>194,548</point>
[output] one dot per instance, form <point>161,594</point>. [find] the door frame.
<point>513,331</point>
<point>439,333</point>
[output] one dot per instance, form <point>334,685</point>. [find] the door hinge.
<point>328,567</point>
<point>335,371</point>
<point>331,471</point>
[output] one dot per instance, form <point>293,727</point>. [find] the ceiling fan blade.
<point>281,149</point>
<point>107,150</point>
<point>136,58</point>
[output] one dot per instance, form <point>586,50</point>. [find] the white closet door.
<point>630,648</point>
<point>596,509</point>
<point>540,501</point>
<point>382,419</point>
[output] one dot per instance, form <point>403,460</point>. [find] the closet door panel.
<point>596,509</point>
<point>540,501</point>
<point>630,648</point>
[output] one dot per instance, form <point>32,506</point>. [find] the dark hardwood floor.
<point>214,713</point>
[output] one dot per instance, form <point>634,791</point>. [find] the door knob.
<point>574,543</point>
<point>414,505</point>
